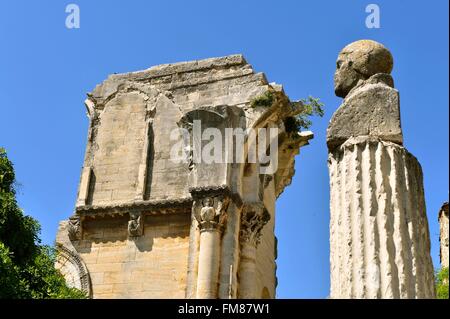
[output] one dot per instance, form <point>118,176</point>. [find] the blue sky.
<point>46,70</point>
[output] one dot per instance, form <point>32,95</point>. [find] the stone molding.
<point>83,281</point>
<point>152,207</point>
<point>215,190</point>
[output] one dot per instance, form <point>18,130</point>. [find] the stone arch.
<point>73,269</point>
<point>116,167</point>
<point>219,118</point>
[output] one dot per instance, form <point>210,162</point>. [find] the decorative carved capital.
<point>74,228</point>
<point>254,217</point>
<point>211,212</point>
<point>135,225</point>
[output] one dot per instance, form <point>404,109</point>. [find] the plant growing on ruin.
<point>265,99</point>
<point>310,106</point>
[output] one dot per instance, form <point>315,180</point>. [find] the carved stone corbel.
<point>135,225</point>
<point>74,228</point>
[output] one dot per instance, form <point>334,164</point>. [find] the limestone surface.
<point>379,236</point>
<point>372,108</point>
<point>444,232</point>
<point>146,226</point>
<point>359,61</point>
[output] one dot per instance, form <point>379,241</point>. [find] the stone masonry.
<point>145,226</point>
<point>379,236</point>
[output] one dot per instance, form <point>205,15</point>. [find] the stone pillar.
<point>443,225</point>
<point>194,247</point>
<point>379,236</point>
<point>379,231</point>
<point>254,217</point>
<point>210,213</point>
<point>230,251</point>
<point>209,262</point>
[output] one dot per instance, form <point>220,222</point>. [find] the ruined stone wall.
<point>265,260</point>
<point>151,266</point>
<point>138,230</point>
<point>266,252</point>
<point>119,144</point>
<point>444,233</point>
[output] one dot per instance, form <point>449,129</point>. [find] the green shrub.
<point>264,100</point>
<point>310,106</point>
<point>442,283</point>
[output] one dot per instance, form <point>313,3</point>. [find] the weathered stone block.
<point>371,109</point>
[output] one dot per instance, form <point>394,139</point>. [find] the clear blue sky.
<point>46,70</point>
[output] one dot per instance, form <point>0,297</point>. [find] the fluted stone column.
<point>254,217</point>
<point>379,236</point>
<point>378,230</point>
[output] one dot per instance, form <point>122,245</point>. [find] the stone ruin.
<point>146,226</point>
<point>443,239</point>
<point>379,235</point>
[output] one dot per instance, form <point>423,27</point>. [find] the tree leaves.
<point>310,106</point>
<point>442,283</point>
<point>26,268</point>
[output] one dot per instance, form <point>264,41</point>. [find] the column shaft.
<point>247,271</point>
<point>380,243</point>
<point>209,264</point>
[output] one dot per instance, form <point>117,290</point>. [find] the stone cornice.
<point>152,207</point>
<point>157,207</point>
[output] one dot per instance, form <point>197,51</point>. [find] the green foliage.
<point>44,281</point>
<point>310,106</point>
<point>11,284</point>
<point>442,283</point>
<point>264,100</point>
<point>26,267</point>
<point>7,175</point>
<point>18,232</point>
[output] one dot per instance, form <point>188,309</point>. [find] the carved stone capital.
<point>253,218</point>
<point>211,212</point>
<point>135,225</point>
<point>74,228</point>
